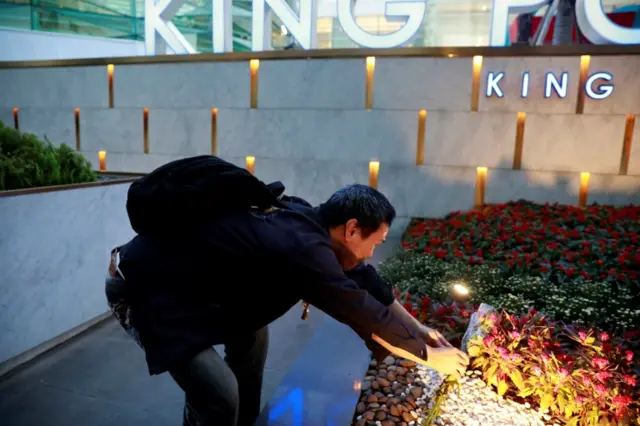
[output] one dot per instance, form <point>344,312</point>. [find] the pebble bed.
<point>399,393</point>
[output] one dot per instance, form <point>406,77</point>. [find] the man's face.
<point>354,245</point>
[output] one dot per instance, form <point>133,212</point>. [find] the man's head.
<point>358,218</point>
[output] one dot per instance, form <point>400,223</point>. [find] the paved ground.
<point>100,379</point>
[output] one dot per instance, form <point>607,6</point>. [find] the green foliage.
<point>602,304</point>
<point>28,162</point>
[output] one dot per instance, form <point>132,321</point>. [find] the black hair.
<point>361,202</point>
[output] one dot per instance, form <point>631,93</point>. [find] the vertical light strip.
<point>422,126</point>
<point>214,131</point>
<point>110,79</point>
<point>374,170</point>
<point>76,115</point>
<point>371,66</point>
<point>584,71</point>
<point>517,153</point>
<point>145,129</point>
<point>254,67</point>
<point>627,143</point>
<point>475,82</point>
<point>481,184</point>
<point>16,119</point>
<point>584,189</point>
<point>102,159</point>
<point>250,163</point>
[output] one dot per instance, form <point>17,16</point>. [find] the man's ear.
<point>350,228</point>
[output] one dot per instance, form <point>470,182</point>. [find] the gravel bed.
<point>399,393</point>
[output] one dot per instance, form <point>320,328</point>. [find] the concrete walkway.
<point>100,378</point>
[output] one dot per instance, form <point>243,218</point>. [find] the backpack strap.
<point>114,268</point>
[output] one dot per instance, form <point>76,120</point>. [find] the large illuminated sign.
<point>591,18</point>
<point>158,13</point>
<point>553,84</point>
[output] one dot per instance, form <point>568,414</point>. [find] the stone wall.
<point>54,249</point>
<point>316,123</point>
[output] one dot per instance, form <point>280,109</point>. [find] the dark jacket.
<point>235,269</point>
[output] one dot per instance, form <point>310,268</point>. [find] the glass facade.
<point>446,22</point>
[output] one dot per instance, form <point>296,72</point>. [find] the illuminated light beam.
<point>293,401</point>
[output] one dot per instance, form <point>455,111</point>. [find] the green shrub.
<point>602,304</point>
<point>27,162</point>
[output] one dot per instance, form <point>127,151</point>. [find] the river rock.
<point>383,382</point>
<point>381,415</point>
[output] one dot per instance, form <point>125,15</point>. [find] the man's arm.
<point>328,288</point>
<point>368,279</point>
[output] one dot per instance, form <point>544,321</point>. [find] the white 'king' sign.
<point>591,18</point>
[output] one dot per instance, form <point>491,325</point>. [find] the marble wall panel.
<point>322,83</point>
<point>428,191</point>
<point>112,130</point>
<point>132,162</point>
<point>6,116</point>
<point>388,136</point>
<point>72,87</point>
<point>625,98</point>
<point>58,125</point>
<point>470,139</point>
<point>182,85</point>
<point>573,143</point>
<point>615,190</point>
<point>511,84</point>
<point>313,180</point>
<point>540,187</point>
<point>184,132</point>
<point>59,254</point>
<point>423,83</point>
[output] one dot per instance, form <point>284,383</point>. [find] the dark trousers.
<point>225,392</point>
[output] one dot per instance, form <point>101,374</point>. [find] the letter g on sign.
<point>597,27</point>
<point>413,9</point>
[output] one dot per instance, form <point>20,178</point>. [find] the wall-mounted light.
<point>481,183</point>
<point>145,130</point>
<point>371,66</point>
<point>475,82</point>
<point>584,188</point>
<point>585,60</point>
<point>102,159</point>
<point>517,153</point>
<point>214,131</point>
<point>250,163</point>
<point>422,126</point>
<point>110,69</point>
<point>76,116</point>
<point>16,120</point>
<point>626,144</point>
<point>254,67</point>
<point>374,170</point>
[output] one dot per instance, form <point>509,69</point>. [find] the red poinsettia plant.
<point>451,319</point>
<point>559,243</point>
<point>579,375</point>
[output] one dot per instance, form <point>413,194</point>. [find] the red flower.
<point>629,356</point>
<point>630,380</point>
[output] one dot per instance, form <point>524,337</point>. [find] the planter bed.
<point>558,342</point>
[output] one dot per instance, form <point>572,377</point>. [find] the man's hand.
<point>448,360</point>
<point>433,337</point>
